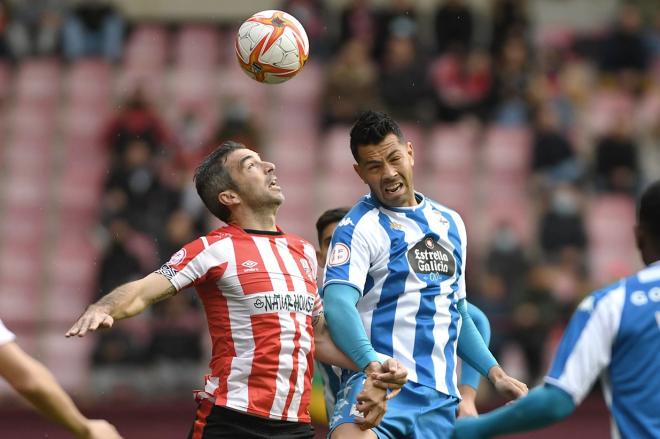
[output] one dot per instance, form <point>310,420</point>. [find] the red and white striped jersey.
<point>260,295</point>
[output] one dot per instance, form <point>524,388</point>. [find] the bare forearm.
<point>326,350</point>
<point>134,297</point>
<point>42,390</point>
<point>122,302</point>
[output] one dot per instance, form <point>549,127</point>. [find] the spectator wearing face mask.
<point>562,225</point>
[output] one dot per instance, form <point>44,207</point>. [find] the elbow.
<point>560,411</point>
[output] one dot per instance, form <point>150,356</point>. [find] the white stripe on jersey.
<point>290,265</point>
<point>284,367</point>
<point>593,349</point>
<point>305,346</point>
<point>367,304</point>
<point>271,264</point>
<point>607,395</point>
<point>211,256</point>
<point>649,274</point>
<point>240,322</point>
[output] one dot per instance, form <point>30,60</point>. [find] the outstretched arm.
<point>124,301</point>
<point>36,384</point>
<point>473,350</point>
<point>543,406</point>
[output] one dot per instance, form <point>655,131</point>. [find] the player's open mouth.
<point>273,185</point>
<point>393,188</point>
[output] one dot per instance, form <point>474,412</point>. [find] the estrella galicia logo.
<point>430,257</point>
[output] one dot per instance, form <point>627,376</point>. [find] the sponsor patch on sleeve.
<point>339,255</point>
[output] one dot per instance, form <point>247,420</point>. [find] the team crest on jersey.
<point>441,218</point>
<point>308,270</point>
<point>430,257</point>
<point>177,257</point>
<point>396,226</point>
<point>339,255</point>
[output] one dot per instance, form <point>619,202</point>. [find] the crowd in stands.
<point>585,107</point>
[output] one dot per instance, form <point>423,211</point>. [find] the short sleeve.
<point>6,335</point>
<point>189,265</point>
<point>349,257</point>
<point>586,346</point>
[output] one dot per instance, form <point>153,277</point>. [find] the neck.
<point>255,220</point>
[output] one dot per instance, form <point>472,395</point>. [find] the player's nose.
<point>269,167</point>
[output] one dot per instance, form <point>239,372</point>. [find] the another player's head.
<point>233,178</point>
<point>647,231</point>
<point>384,159</point>
<point>325,225</point>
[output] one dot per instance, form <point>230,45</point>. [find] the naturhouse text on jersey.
<point>429,258</point>
<point>271,302</point>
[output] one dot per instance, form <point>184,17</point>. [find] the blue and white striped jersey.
<point>409,266</point>
<point>615,334</point>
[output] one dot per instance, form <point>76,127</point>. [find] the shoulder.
<point>362,217</point>
<point>611,296</point>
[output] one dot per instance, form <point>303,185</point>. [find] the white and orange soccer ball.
<point>271,46</point>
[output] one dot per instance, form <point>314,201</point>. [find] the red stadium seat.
<point>605,109</point>
<point>451,150</point>
<point>610,220</point>
<point>507,151</point>
<point>416,135</point>
<point>38,82</point>
<point>197,46</point>
<point>306,89</point>
<point>336,157</point>
<point>146,48</point>
<point>90,82</point>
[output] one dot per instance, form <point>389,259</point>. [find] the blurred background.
<point>538,120</point>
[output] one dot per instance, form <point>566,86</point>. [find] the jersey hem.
<point>265,415</point>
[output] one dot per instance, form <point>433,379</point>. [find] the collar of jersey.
<point>421,202</point>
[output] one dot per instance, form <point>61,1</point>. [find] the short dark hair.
<point>648,213</point>
<point>328,217</point>
<point>371,128</point>
<point>212,177</point>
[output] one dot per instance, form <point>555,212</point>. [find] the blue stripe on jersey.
<point>345,235</point>
<point>424,342</point>
<point>368,284</point>
<point>573,332</point>
<point>454,236</point>
<point>382,322</point>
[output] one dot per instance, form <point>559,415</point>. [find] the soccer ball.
<point>271,46</point>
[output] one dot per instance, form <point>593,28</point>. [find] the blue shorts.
<point>417,412</point>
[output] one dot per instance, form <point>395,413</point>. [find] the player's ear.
<point>229,198</point>
<point>358,171</point>
<point>411,152</point>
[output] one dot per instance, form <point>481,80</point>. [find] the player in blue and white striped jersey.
<point>614,334</point>
<point>469,377</point>
<point>395,286</point>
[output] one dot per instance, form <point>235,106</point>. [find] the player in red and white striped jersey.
<point>258,286</point>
